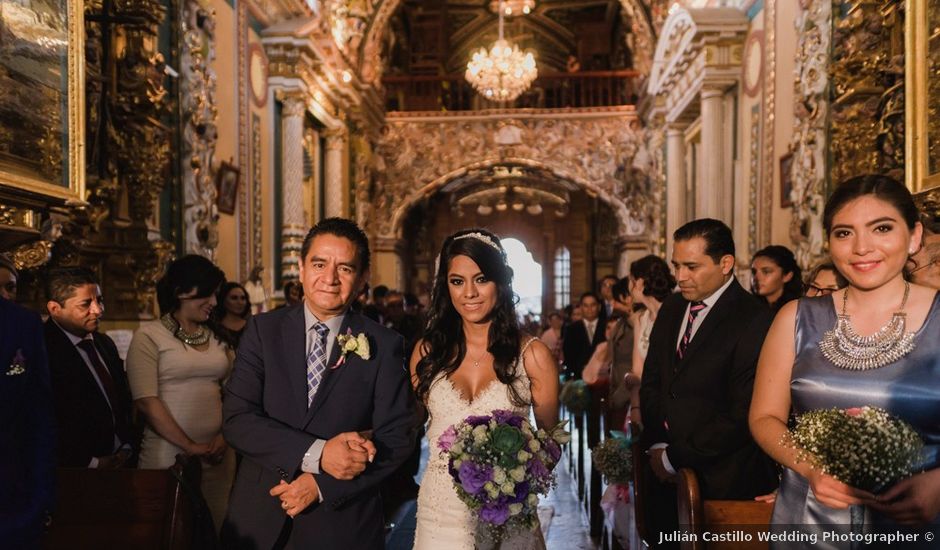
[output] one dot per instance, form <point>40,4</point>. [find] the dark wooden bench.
<point>128,508</point>
<point>698,515</point>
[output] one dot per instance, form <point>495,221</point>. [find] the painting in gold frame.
<point>922,98</point>
<point>42,98</point>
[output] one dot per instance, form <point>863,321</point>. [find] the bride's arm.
<point>542,370</point>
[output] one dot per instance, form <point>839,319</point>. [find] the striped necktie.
<point>316,361</point>
<point>694,309</point>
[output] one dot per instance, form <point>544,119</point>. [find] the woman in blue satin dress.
<point>872,227</point>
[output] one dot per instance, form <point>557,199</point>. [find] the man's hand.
<point>112,462</point>
<point>298,495</point>
<point>912,501</point>
<point>656,463</point>
<point>346,455</point>
<point>216,452</point>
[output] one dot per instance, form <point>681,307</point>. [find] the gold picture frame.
<point>922,96</point>
<point>42,110</point>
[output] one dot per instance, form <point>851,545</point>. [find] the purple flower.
<point>537,469</point>
<point>477,420</point>
<point>472,476</point>
<point>446,440</point>
<point>508,417</point>
<point>553,449</point>
<point>497,514</point>
<point>522,492</point>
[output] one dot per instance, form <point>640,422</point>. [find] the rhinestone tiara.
<point>480,237</point>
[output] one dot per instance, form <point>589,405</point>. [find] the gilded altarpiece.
<point>923,103</point>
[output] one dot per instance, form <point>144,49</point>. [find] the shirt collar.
<point>72,338</point>
<point>710,301</point>
<point>333,323</point>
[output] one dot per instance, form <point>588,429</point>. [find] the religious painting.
<point>42,97</point>
<point>922,72</point>
<point>786,180</point>
<point>226,182</point>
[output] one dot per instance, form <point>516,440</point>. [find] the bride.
<point>472,360</point>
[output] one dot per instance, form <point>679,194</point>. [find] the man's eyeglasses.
<point>934,261</point>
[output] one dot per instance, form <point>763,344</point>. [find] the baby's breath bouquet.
<point>613,459</point>
<point>500,465</point>
<point>575,396</point>
<point>865,447</point>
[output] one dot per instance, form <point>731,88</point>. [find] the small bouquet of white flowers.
<point>865,447</point>
<point>499,465</point>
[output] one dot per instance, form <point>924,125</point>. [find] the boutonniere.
<point>358,344</point>
<point>18,366</point>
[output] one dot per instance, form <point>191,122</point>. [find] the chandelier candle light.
<point>503,72</point>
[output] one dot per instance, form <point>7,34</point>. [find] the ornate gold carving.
<point>32,255</point>
<point>605,155</point>
<point>770,132</point>
<point>199,114</point>
<point>809,141</point>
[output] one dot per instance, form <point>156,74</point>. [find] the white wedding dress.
<point>444,522</point>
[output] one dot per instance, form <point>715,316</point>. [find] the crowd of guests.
<point>675,347</point>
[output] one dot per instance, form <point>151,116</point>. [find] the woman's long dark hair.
<point>784,258</point>
<point>443,343</point>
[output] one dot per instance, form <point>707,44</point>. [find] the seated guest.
<point>582,337</point>
<point>598,366</point>
<point>8,276</point>
<point>777,278</point>
<point>698,377</point>
<point>823,280</point>
<point>231,313</point>
<point>924,265</point>
<point>27,440</point>
<point>91,395</point>
<point>176,366</point>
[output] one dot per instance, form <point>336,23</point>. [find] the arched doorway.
<point>527,277</point>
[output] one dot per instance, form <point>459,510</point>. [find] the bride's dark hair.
<point>443,343</point>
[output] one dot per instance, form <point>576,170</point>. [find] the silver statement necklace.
<point>846,349</point>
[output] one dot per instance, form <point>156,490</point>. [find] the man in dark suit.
<point>92,397</point>
<point>698,377</point>
<point>581,337</point>
<point>27,437</point>
<point>296,407</point>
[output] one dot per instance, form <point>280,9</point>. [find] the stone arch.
<point>400,211</point>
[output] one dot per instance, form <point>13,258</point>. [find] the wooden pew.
<point>132,509</point>
<point>697,516</point>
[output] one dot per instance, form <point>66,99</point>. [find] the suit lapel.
<point>295,357</point>
<point>353,323</point>
<point>720,310</point>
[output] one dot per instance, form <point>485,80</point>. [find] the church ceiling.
<point>438,36</point>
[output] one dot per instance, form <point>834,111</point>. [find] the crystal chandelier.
<point>503,72</point>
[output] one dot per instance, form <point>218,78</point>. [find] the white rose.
<point>499,475</point>
<point>508,488</point>
<point>518,473</point>
<point>515,508</point>
<point>523,456</point>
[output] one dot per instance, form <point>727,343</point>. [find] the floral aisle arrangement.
<point>613,459</point>
<point>864,447</point>
<point>499,465</point>
<point>575,396</point>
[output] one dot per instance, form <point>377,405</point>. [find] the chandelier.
<point>503,72</point>
<point>512,7</point>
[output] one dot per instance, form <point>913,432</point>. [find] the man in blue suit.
<point>298,401</point>
<point>27,432</point>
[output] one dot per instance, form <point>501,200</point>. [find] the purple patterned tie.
<point>316,361</point>
<point>694,310</point>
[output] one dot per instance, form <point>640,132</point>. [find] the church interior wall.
<point>785,58</point>
<point>226,70</point>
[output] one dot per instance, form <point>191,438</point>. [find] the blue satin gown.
<point>908,389</point>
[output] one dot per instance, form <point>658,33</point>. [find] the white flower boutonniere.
<point>358,344</point>
<point>18,366</point>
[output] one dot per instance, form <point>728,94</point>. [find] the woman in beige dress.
<point>175,367</point>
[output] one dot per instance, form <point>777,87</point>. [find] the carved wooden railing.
<point>549,91</point>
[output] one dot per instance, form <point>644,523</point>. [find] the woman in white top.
<point>650,283</point>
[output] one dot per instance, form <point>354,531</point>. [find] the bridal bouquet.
<point>865,447</point>
<point>500,465</point>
